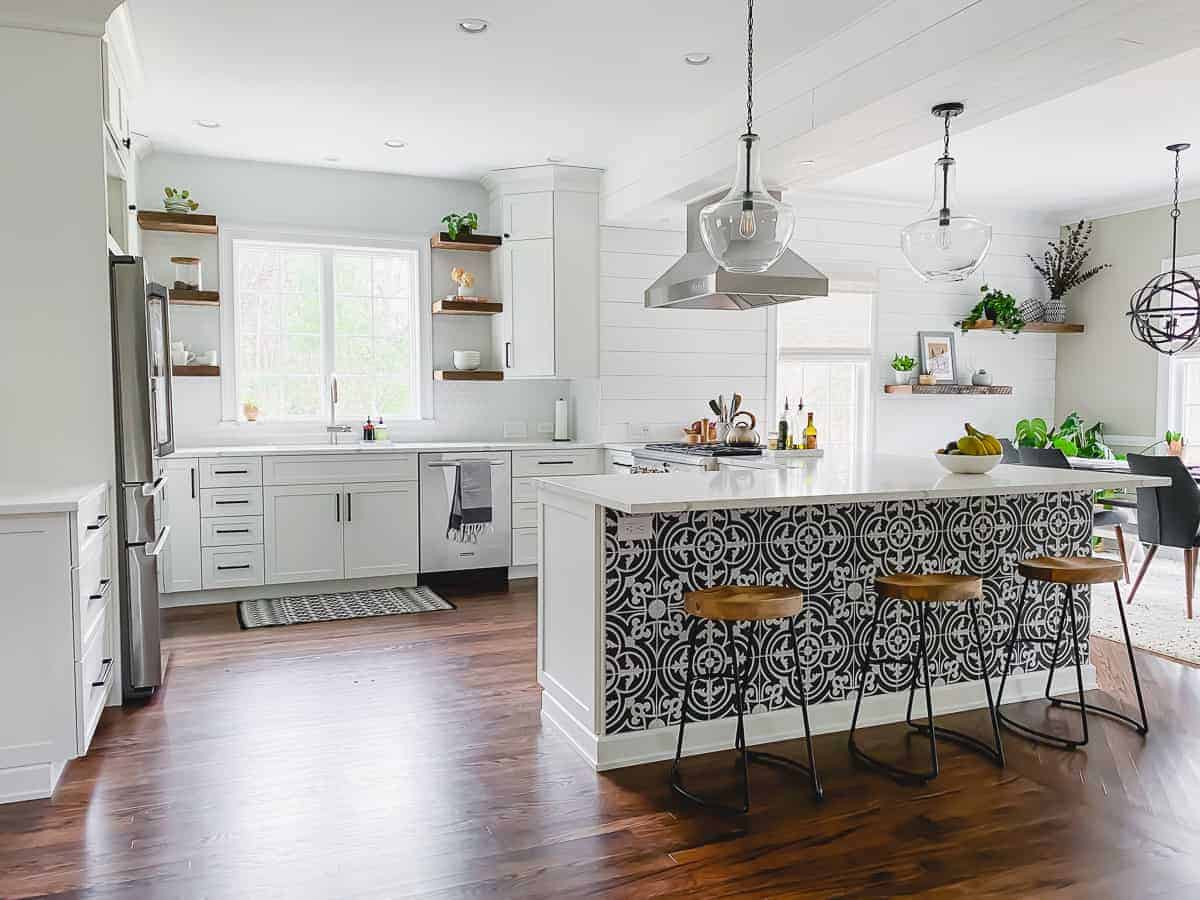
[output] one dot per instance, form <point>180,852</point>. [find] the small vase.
<point>1032,310</point>
<point>901,377</point>
<point>250,411</point>
<point>1056,310</point>
<point>462,289</point>
<point>1175,448</point>
<point>982,378</point>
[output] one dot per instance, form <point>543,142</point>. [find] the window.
<point>302,312</point>
<point>1178,406</point>
<point>824,359</point>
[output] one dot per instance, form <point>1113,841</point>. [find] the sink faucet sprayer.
<point>333,428</point>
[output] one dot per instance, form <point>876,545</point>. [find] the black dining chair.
<point>1053,458</point>
<point>1012,456</point>
<point>1168,516</point>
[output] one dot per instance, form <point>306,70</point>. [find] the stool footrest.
<point>960,737</point>
<point>1102,711</point>
<point>1041,737</point>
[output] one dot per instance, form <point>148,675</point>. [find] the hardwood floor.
<point>403,756</point>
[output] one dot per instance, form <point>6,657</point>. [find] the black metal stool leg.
<point>1062,624</point>
<point>1012,642</point>
<point>739,700</point>
<point>676,780</point>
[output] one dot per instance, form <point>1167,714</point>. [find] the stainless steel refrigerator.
<point>142,400</point>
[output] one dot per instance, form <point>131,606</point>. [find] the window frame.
<point>1169,406</point>
<point>323,240</point>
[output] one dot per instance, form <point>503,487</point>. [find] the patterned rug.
<point>346,605</point>
<point>1158,617</point>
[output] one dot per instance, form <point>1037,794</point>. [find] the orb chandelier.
<point>747,230</point>
<point>1165,312</point>
<point>945,245</point>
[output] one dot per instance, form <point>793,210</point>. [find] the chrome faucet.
<point>333,429</point>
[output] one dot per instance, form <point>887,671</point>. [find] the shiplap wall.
<point>658,367</point>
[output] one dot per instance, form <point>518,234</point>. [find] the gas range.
<point>703,456</point>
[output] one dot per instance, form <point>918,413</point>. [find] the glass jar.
<point>187,273</point>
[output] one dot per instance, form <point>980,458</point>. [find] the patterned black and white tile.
<point>833,552</point>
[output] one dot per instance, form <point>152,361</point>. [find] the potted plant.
<point>464,279</point>
<point>997,308</point>
<point>1071,437</point>
<point>1174,441</point>
<point>1062,267</point>
<point>250,408</point>
<point>179,201</point>
<point>460,224</point>
<point>902,368</point>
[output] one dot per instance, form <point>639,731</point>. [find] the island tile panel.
<point>833,553</point>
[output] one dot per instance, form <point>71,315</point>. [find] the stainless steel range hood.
<point>695,281</point>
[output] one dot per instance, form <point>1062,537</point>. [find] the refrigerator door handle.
<point>161,543</point>
<point>150,488</point>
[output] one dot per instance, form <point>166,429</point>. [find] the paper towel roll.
<point>562,421</point>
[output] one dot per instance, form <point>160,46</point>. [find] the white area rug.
<point>1158,617</point>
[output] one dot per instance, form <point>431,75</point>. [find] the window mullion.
<point>327,303</point>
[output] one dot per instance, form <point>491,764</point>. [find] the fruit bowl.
<point>963,464</point>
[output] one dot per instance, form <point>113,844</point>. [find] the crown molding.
<point>550,177</point>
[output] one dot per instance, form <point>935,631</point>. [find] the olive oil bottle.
<point>810,434</point>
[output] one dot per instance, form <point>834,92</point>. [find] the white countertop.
<point>382,447</point>
<point>21,499</point>
<point>818,481</point>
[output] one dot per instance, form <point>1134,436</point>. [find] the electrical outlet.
<point>639,432</point>
<point>515,430</point>
<point>545,428</point>
<point>635,528</point>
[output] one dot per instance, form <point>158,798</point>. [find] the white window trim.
<point>230,414</point>
<point>1168,414</point>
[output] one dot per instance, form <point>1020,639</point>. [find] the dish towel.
<point>469,486</point>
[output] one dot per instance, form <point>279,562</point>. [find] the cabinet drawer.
<point>230,531</point>
<point>93,584</point>
<point>236,471</point>
<point>524,515</point>
<point>332,468</point>
<point>550,463</point>
<point>225,567</point>
<point>94,673</point>
<point>524,490</point>
<point>93,515</point>
<point>231,502</point>
<point>525,546</point>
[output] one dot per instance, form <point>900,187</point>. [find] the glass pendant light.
<point>945,245</point>
<point>747,230</point>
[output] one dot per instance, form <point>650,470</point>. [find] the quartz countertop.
<point>818,481</point>
<point>381,447</point>
<point>22,499</point>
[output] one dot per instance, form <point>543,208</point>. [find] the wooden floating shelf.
<point>196,371</point>
<point>480,243</point>
<point>479,307</point>
<point>182,223</point>
<point>947,390</point>
<point>1032,327</point>
<point>194,298</point>
<point>464,375</point>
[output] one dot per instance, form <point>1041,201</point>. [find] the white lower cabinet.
<point>302,526</point>
<point>179,568</point>
<point>524,546</point>
<point>381,534</point>
<point>226,567</point>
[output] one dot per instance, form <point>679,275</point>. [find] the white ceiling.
<point>1093,152</point>
<point>291,83</point>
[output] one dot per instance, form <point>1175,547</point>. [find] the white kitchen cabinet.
<point>302,527</point>
<point>526,326</point>
<point>116,102</point>
<point>227,567</point>
<point>527,217</point>
<point>179,568</point>
<point>381,534</point>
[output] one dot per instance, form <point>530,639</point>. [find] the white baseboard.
<point>270,591</point>
<point>517,572</point>
<point>652,745</point>
<point>34,782</point>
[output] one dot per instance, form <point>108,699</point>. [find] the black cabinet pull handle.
<point>105,584</point>
<point>337,507</point>
<point>224,568</point>
<point>556,462</point>
<point>229,502</point>
<point>100,520</point>
<point>231,471</point>
<point>232,530</point>
<point>349,507</point>
<point>106,667</point>
<point>193,482</point>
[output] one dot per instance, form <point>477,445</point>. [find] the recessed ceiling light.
<point>808,162</point>
<point>395,143</point>
<point>473,26</point>
<point>332,158</point>
<point>555,158</point>
<point>697,59</point>
<point>207,123</point>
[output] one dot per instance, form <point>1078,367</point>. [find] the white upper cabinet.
<point>547,272</point>
<point>116,102</point>
<point>527,217</point>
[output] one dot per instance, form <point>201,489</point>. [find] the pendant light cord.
<point>749,66</point>
<point>946,144</point>
<point>1175,213</point>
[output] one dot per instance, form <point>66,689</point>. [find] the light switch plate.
<point>545,428</point>
<point>639,432</point>
<point>515,430</point>
<point>635,528</point>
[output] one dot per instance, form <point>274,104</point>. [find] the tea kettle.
<point>740,434</point>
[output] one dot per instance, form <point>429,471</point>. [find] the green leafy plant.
<point>997,306</point>
<point>177,197</point>
<point>1062,265</point>
<point>460,223</point>
<point>1172,437</point>
<point>1072,437</point>
<point>903,363</point>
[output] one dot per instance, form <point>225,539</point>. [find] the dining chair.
<point>1168,516</point>
<point>1053,458</point>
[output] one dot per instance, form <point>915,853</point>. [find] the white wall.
<point>248,193</point>
<point>658,367</point>
<point>55,339</point>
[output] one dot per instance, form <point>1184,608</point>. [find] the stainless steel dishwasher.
<point>494,548</point>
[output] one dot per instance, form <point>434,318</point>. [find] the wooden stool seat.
<point>1071,569</point>
<point>936,587</point>
<point>735,603</point>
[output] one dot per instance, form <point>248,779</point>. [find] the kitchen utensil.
<point>962,464</point>
<point>737,405</point>
<point>465,360</point>
<point>715,407</point>
<point>742,434</point>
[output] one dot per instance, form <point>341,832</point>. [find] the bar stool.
<point>746,605</point>
<point>922,591</point>
<point>1070,572</point>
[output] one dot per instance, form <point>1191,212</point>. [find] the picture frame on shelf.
<point>939,355</point>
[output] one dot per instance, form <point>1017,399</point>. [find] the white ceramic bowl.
<point>465,360</point>
<point>962,464</point>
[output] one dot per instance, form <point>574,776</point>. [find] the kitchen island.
<point>617,553</point>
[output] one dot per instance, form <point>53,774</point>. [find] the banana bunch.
<point>974,443</point>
